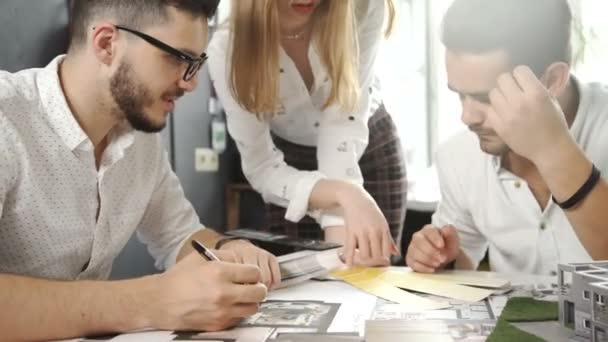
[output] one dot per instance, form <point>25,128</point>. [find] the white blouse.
<point>340,138</point>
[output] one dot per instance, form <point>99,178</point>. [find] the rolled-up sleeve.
<point>343,137</point>
<point>263,164</point>
<point>169,220</point>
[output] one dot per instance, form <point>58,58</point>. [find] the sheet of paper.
<point>473,278</point>
<point>322,337</point>
<point>253,334</point>
<point>459,309</point>
<point>357,306</point>
<point>414,282</point>
<point>428,331</point>
<point>307,314</point>
<point>369,280</point>
<point>389,292</point>
<point>358,274</point>
<point>152,336</point>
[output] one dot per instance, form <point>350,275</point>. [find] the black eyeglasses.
<point>194,64</point>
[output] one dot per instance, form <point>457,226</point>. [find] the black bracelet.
<point>227,239</point>
<point>582,192</point>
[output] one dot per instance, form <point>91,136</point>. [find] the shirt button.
<point>517,184</point>
<point>543,226</point>
<point>317,125</point>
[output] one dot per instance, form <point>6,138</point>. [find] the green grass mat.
<point>522,309</point>
<point>505,332</point>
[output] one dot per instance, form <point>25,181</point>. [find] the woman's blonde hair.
<point>255,36</point>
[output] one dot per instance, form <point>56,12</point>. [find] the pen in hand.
<point>204,251</point>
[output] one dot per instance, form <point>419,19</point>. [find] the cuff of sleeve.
<point>298,204</point>
<point>316,215</point>
<point>331,220</point>
<point>171,259</point>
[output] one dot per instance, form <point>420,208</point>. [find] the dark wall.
<point>32,33</point>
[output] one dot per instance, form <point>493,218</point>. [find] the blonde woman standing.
<point>297,83</point>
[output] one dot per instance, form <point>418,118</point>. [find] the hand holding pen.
<point>204,251</point>
<point>245,253</point>
<point>210,296</point>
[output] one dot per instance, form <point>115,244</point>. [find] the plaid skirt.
<point>384,174</point>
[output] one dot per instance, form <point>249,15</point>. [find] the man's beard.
<point>132,97</point>
<point>496,148</point>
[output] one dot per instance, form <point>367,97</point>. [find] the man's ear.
<point>104,41</point>
<point>556,78</point>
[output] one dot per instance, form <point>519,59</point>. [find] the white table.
<point>356,307</point>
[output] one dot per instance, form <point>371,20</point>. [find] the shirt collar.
<point>55,105</point>
<point>121,138</point>
<point>61,118</point>
<point>501,172</point>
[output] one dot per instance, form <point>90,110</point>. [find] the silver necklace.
<point>294,36</point>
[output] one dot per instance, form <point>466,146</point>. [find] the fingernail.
<point>440,257</point>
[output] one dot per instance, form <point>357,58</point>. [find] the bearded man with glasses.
<point>82,169</point>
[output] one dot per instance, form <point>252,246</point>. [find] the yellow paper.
<point>369,280</point>
<point>415,282</point>
<point>387,291</point>
<point>473,278</point>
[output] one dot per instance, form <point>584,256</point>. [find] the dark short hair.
<point>535,33</point>
<point>137,14</point>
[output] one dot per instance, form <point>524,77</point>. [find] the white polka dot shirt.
<point>49,188</point>
<point>340,138</point>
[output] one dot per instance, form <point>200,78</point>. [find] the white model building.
<point>582,299</point>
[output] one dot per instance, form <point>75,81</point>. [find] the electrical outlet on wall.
<point>206,160</point>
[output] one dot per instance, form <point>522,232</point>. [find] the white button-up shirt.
<point>340,138</point>
<point>495,210</point>
<point>49,188</point>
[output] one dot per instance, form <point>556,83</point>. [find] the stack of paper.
<point>369,280</point>
<point>387,283</point>
<point>301,266</point>
<point>473,278</point>
<point>438,287</point>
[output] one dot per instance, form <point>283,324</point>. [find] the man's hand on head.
<point>526,116</point>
